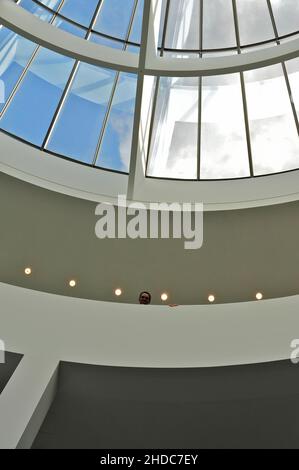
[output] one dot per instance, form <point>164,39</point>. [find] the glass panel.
<point>30,113</point>
<point>223,137</point>
<point>113,19</point>
<point>174,141</point>
<point>293,73</point>
<point>15,52</point>
<point>116,147</point>
<point>183,25</point>
<point>274,138</point>
<point>37,10</point>
<point>286,13</point>
<point>78,127</point>
<point>254,21</point>
<point>53,4</point>
<point>80,11</point>
<point>69,27</point>
<point>218,24</point>
<point>135,35</point>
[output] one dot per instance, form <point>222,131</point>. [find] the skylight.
<point>208,127</point>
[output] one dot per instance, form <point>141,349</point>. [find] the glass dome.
<point>203,27</point>
<point>112,23</point>
<point>200,127</point>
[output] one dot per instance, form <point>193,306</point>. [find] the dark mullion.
<point>116,79</point>
<point>69,82</point>
<point>163,39</point>
<point>199,92</point>
<point>153,115</point>
<point>26,68</point>
<point>290,95</point>
<point>284,69</point>
<point>94,18</point>
<point>157,86</point>
<point>273,21</point>
<point>243,91</point>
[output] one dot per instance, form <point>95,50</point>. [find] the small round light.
<point>211,298</point>
<point>72,283</point>
<point>118,292</point>
<point>259,296</point>
<point>164,297</point>
<point>28,271</point>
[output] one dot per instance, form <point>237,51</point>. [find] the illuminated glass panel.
<point>254,21</point>
<point>183,25</point>
<point>224,151</point>
<point>274,138</point>
<point>286,14</point>
<point>175,133</point>
<point>218,24</point>
<point>293,73</point>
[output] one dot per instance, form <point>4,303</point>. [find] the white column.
<point>148,51</point>
<point>26,400</point>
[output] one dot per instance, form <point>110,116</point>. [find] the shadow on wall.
<point>8,363</point>
<point>252,406</point>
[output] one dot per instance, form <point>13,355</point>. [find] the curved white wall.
<point>63,328</point>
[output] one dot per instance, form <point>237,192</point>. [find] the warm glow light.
<point>259,296</point>
<point>211,298</point>
<point>72,283</point>
<point>118,292</point>
<point>164,297</point>
<point>28,271</point>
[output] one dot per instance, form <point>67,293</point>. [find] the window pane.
<point>31,111</point>
<point>174,141</point>
<point>274,138</point>
<point>223,138</point>
<point>116,147</point>
<point>53,4</point>
<point>37,10</point>
<point>254,21</point>
<point>78,128</point>
<point>135,35</point>
<point>113,19</point>
<point>293,73</point>
<point>69,27</point>
<point>218,24</point>
<point>15,52</point>
<point>80,11</point>
<point>286,13</point>
<point>183,25</point>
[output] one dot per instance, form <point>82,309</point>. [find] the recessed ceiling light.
<point>259,296</point>
<point>164,297</point>
<point>28,271</point>
<point>211,298</point>
<point>118,292</point>
<point>72,283</point>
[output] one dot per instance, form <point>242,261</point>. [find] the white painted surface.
<point>47,325</point>
<point>57,174</point>
<point>48,328</point>
<point>25,401</point>
<point>54,173</point>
